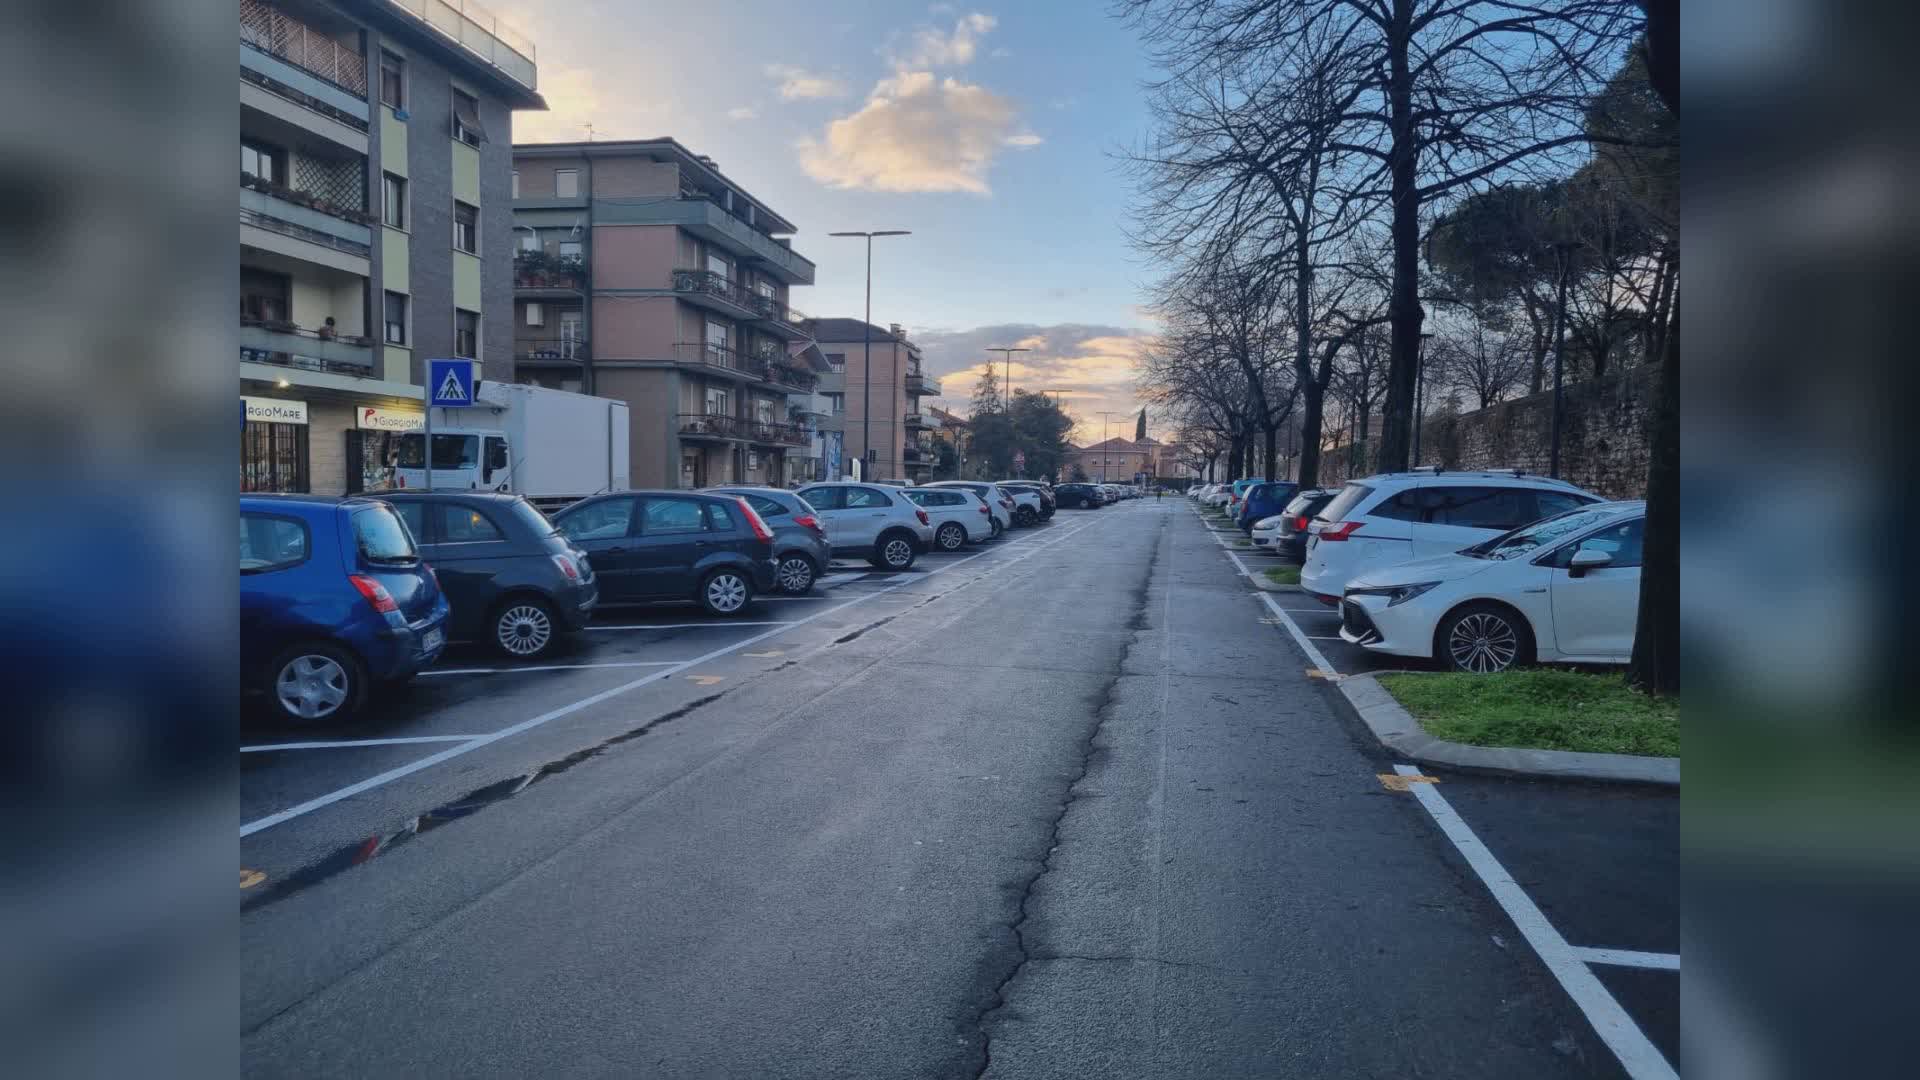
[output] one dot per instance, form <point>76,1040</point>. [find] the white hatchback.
<point>1564,589</point>
<point>1382,521</point>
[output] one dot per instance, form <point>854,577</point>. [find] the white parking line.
<point>1657,961</point>
<point>551,715</point>
<point>333,744</point>
<point>545,667</point>
<point>1629,1044</point>
<point>689,625</point>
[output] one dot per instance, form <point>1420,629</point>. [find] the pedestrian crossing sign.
<point>450,383</point>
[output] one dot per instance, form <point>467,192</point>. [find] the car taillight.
<point>1300,523</point>
<point>376,593</point>
<point>983,509</point>
<point>922,515</point>
<point>760,530</point>
<point>1338,530</point>
<point>566,567</point>
<point>808,521</point>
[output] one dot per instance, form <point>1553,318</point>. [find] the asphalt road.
<point>1060,806</point>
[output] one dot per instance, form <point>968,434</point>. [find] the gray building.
<point>376,224</point>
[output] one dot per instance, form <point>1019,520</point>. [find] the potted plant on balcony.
<point>568,269</point>
<point>532,268</point>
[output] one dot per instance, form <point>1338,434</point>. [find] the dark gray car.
<point>800,549</point>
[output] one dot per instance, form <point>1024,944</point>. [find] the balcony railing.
<point>479,32</point>
<point>714,425</point>
<point>913,420</point>
<point>268,341</point>
<point>779,434</point>
<point>778,314</point>
<point>276,33</point>
<point>787,374</point>
<point>573,348</point>
<point>919,385</point>
<point>719,356</point>
<point>708,283</point>
<point>307,199</point>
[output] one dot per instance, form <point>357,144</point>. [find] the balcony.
<point>913,421</point>
<point>720,357</point>
<point>715,292</point>
<point>302,216</point>
<point>779,319</point>
<point>919,385</point>
<point>536,273</point>
<point>551,350</point>
<point>273,32</point>
<point>913,455</point>
<point>713,223</point>
<point>287,345</point>
<point>715,426</point>
<point>768,434</point>
<point>790,375</point>
<point>475,29</point>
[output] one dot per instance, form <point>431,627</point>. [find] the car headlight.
<point>1396,594</point>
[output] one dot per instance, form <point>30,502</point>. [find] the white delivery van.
<point>553,446</point>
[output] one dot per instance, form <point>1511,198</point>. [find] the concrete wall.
<point>886,382</point>
<point>634,327</point>
<point>536,175</point>
<point>634,256</point>
<point>626,177</point>
<point>1603,445</point>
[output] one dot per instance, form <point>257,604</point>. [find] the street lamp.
<point>1419,394</point>
<point>866,366</point>
<point>1006,399</point>
<point>1563,264</point>
<point>1104,448</point>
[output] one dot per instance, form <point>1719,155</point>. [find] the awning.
<point>808,353</point>
<point>465,110</point>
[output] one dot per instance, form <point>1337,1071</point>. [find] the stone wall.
<point>1603,443</point>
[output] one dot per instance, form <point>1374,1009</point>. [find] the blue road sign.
<point>450,383</point>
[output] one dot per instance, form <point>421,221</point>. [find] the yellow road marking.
<point>1396,782</point>
<point>706,680</point>
<point>250,878</point>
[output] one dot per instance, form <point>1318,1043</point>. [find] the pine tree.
<point>1140,425</point>
<point>986,395</point>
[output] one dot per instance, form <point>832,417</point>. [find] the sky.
<point>992,132</point>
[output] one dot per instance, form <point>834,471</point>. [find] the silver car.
<point>959,517</point>
<point>999,502</point>
<point>872,522</point>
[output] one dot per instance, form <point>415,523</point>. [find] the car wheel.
<point>1025,517</point>
<point>523,628</point>
<point>895,552</point>
<point>796,574</point>
<point>997,529</point>
<point>951,537</point>
<point>1482,639</point>
<point>725,592</point>
<point>311,684</point>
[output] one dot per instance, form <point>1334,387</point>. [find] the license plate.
<point>433,640</point>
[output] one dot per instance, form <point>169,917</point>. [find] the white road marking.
<point>551,715</point>
<point>348,744</point>
<point>1658,961</point>
<point>1299,637</point>
<point>691,625</point>
<point>1629,1044</point>
<point>545,667</point>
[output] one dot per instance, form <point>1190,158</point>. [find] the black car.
<point>511,579</point>
<point>674,545</point>
<point>800,549</point>
<point>1296,515</point>
<point>1083,496</point>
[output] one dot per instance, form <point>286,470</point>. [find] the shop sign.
<point>260,410</point>
<point>374,418</point>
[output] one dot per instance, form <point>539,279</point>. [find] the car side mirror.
<point>1588,559</point>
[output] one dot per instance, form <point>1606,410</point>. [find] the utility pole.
<point>866,363</point>
<point>1563,249</point>
<point>1104,448</point>
<point>1006,399</point>
<point>1419,394</point>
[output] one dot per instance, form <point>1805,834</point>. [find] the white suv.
<point>1393,518</point>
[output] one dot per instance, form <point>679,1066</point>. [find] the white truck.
<point>553,446</point>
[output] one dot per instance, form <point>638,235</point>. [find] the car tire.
<point>894,552</point>
<point>1483,638</point>
<point>315,683</point>
<point>951,537</point>
<point>795,574</point>
<point>997,529</point>
<point>725,591</point>
<point>1025,517</point>
<point>524,628</point>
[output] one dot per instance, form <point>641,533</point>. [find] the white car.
<point>1218,496</point>
<point>1266,532</point>
<point>1566,589</point>
<point>1382,521</point>
<point>1000,503</point>
<point>959,517</point>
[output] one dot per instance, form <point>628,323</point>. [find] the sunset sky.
<point>990,132</point>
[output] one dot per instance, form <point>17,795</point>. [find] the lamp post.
<point>1564,252</point>
<point>866,363</point>
<point>1104,448</point>
<point>1006,399</point>
<point>1419,394</point>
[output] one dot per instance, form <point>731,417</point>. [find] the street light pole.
<point>1419,395</point>
<point>1006,398</point>
<point>1104,448</point>
<point>1564,250</point>
<point>866,362</point>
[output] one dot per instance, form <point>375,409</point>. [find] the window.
<point>273,457</point>
<point>466,228</point>
<point>1622,541</point>
<point>263,295</point>
<point>566,183</point>
<point>570,249</point>
<point>665,517</point>
<point>1549,503</point>
<point>719,266</point>
<point>1483,507</point>
<point>826,498</point>
<point>529,241</point>
<point>271,543</point>
<point>836,404</point>
<point>837,361</point>
<point>536,315</point>
<point>380,536</point>
<point>609,519</point>
<point>719,402</point>
<point>859,498</point>
<point>464,525</point>
<point>466,334</point>
<point>393,81</point>
<point>466,118</point>
<point>449,451</point>
<point>719,518</point>
<point>763,410</point>
<point>394,201</point>
<point>765,507</point>
<point>414,513</point>
<point>263,161</point>
<point>396,318</point>
<point>1350,496</point>
<point>514,184</point>
<point>1406,506</point>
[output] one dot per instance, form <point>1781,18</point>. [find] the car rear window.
<point>530,516</point>
<point>381,536</point>
<point>765,507</point>
<point>1344,503</point>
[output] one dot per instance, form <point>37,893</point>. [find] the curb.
<point>1399,732</point>
<point>1263,584</point>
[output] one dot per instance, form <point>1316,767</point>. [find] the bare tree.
<point>1482,356</point>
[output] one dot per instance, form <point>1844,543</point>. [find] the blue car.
<point>1264,500</point>
<point>334,598</point>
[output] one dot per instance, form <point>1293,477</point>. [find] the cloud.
<point>1089,368</point>
<point>576,98</point>
<point>1024,140</point>
<point>928,47</point>
<point>916,133</point>
<point>797,84</point>
<point>742,112</point>
<point>1001,53</point>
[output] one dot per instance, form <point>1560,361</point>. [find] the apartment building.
<point>375,224</point>
<point>645,274</point>
<point>894,382</point>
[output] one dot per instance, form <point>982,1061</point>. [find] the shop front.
<point>275,455</point>
<point>373,447</point>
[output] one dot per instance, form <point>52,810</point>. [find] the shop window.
<point>273,457</point>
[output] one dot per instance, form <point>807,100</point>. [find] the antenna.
<point>589,131</point>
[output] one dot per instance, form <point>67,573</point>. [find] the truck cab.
<point>463,459</point>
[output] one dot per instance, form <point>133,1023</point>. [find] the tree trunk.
<point>1236,453</point>
<point>1655,667</point>
<point>1537,378</point>
<point>1403,309</point>
<point>1273,452</point>
<point>1312,407</point>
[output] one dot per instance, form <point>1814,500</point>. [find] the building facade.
<point>375,224</point>
<point>646,275</point>
<point>892,384</point>
<point>1115,461</point>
